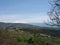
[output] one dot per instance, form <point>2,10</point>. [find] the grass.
<point>25,38</point>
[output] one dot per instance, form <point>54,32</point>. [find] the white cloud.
<point>31,18</point>
<point>19,21</point>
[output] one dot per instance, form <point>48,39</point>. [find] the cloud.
<point>24,18</point>
<point>19,21</point>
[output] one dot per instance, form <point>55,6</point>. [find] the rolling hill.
<point>53,31</point>
<point>4,25</point>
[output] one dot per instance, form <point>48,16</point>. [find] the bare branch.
<point>54,13</point>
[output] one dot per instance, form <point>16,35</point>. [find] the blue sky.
<point>24,11</point>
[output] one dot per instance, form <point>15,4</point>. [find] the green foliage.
<point>25,38</point>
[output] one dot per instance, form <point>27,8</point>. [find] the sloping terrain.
<point>31,28</point>
<point>13,37</point>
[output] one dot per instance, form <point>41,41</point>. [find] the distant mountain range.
<point>40,24</point>
<point>24,25</point>
<point>4,25</point>
<point>45,26</point>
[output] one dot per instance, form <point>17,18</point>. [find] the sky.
<point>24,11</point>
